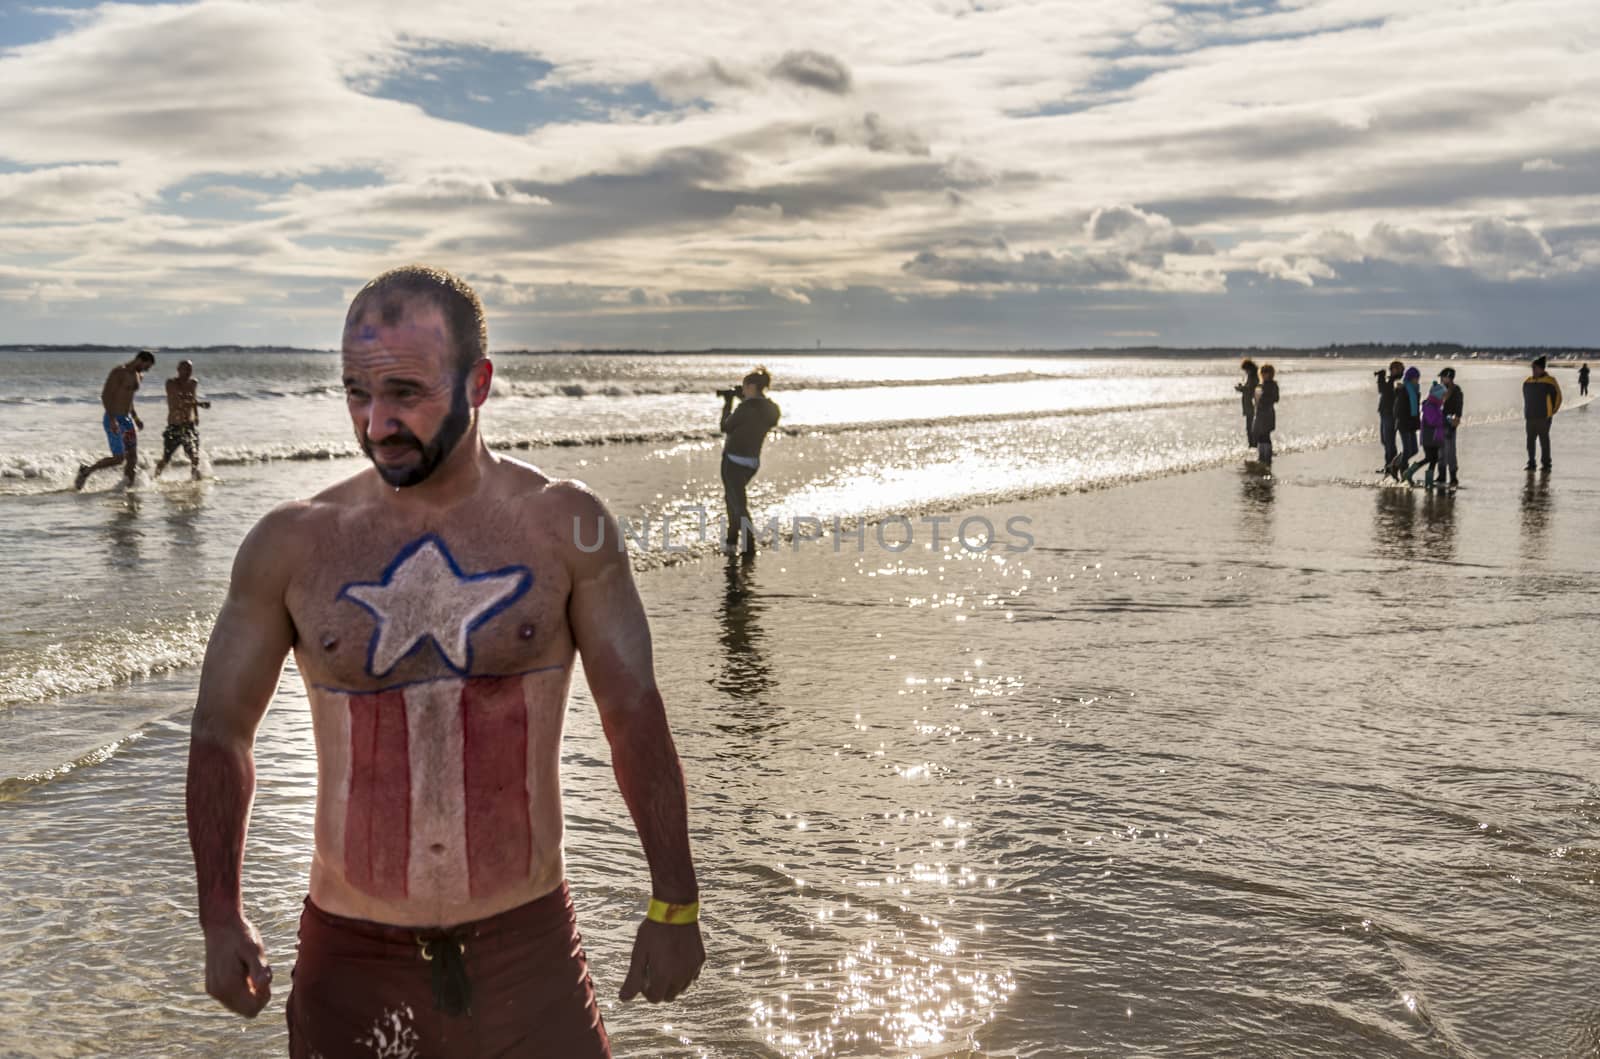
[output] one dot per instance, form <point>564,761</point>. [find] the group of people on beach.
<point>1405,415</point>
<point>1411,421</point>
<point>122,422</point>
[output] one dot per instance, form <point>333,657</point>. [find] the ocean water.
<point>1197,761</point>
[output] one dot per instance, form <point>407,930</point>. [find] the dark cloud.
<point>1405,244</point>
<point>1148,232</point>
<point>680,188</point>
<point>813,69</point>
<point>874,133</point>
<point>1036,268</point>
<point>1420,186</point>
<point>1255,139</point>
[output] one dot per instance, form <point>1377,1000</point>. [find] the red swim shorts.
<point>515,984</point>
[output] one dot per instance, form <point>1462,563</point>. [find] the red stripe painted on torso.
<point>377,837</point>
<point>494,750</point>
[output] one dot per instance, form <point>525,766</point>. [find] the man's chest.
<point>383,610</point>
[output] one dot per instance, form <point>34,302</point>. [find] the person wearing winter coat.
<point>1247,397</point>
<point>1266,420</point>
<point>1454,403</point>
<point>1407,419</point>
<point>1431,418</point>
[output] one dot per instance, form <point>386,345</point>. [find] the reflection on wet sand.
<point>1394,523</point>
<point>184,511</point>
<point>1413,524</point>
<point>1438,525</point>
<point>1537,505</point>
<point>1256,492</point>
<point>123,533</point>
<point>746,673</point>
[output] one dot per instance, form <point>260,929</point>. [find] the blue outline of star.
<point>386,579</point>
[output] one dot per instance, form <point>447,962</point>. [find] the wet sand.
<point>1223,765</point>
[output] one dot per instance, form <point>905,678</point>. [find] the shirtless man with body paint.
<point>434,604</point>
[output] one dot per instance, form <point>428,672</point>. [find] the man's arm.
<point>613,638</point>
<point>244,657</point>
<point>1555,390</point>
<point>730,414</point>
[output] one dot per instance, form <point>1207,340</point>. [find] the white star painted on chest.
<point>423,595</point>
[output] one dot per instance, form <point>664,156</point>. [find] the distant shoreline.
<point>1353,351</point>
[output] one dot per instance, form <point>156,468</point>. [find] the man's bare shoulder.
<point>561,505</point>
<point>550,496</point>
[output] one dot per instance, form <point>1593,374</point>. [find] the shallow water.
<point>1221,765</point>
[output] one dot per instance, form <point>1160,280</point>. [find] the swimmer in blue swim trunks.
<point>122,423</point>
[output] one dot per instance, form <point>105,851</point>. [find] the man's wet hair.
<point>761,377</point>
<point>145,355</point>
<point>398,289</point>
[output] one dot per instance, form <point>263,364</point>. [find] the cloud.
<point>948,155</point>
<point>1150,232</point>
<point>813,69</point>
<point>789,294</point>
<point>1035,268</point>
<point>1302,270</point>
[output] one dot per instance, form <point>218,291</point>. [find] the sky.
<point>983,174</point>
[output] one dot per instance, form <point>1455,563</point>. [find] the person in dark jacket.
<point>1541,400</point>
<point>1583,381</point>
<point>1266,420</point>
<point>1454,403</point>
<point>746,428</point>
<point>1247,397</point>
<point>1388,383</point>
<point>1407,419</point>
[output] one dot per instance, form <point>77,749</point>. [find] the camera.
<point>729,394</point>
<point>1381,373</point>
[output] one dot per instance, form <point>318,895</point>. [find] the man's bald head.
<point>390,296</point>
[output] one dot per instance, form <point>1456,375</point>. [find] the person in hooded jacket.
<point>1432,419</point>
<point>1266,420</point>
<point>1407,420</point>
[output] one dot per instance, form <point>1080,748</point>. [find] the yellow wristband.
<point>673,915</point>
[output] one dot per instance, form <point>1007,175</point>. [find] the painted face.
<point>407,405</point>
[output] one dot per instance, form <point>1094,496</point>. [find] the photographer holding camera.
<point>1388,383</point>
<point>746,428</point>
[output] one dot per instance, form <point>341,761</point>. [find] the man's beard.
<point>433,452</point>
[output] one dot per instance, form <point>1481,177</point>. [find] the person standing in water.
<point>1454,402</point>
<point>1583,381</point>
<point>1541,400</point>
<point>1388,383</point>
<point>1407,420</point>
<point>121,422</point>
<point>1432,417</point>
<point>746,428</point>
<point>436,604</point>
<point>1247,397</point>
<point>183,420</point>
<point>1266,418</point>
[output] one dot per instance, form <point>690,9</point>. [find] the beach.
<point>1180,758</point>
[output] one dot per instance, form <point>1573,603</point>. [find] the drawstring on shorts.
<point>445,951</point>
